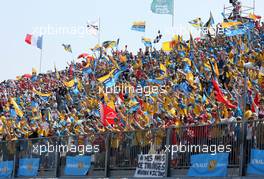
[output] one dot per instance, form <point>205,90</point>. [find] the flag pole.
<point>99,31</point>
<point>40,59</point>
<point>254,6</point>
<point>172,19</point>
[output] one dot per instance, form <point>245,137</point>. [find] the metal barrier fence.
<point>118,152</point>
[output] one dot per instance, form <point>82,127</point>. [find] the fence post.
<point>15,161</point>
<point>57,159</point>
<point>168,153</point>
<point>107,154</point>
<point>242,164</point>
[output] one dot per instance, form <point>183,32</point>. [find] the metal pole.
<point>242,164</point>
<point>168,153</point>
<point>99,31</point>
<point>15,162</point>
<point>224,9</point>
<point>107,154</point>
<point>172,23</point>
<point>40,61</point>
<point>254,5</point>
<point>57,159</point>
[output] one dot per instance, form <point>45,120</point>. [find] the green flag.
<point>162,6</point>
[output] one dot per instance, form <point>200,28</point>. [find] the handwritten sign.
<point>151,165</point>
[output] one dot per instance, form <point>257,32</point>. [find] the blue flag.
<point>28,167</point>
<point>156,81</point>
<point>256,165</point>
<point>209,165</point>
<point>112,81</point>
<point>139,26</point>
<point>184,87</point>
<point>134,108</point>
<point>239,30</point>
<point>109,83</point>
<point>78,165</point>
<point>6,169</point>
<point>146,41</point>
<point>162,6</point>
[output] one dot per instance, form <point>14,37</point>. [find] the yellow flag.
<point>111,104</point>
<point>253,16</point>
<point>163,68</point>
<point>230,24</point>
<point>207,65</point>
<point>80,86</point>
<point>103,78</point>
<point>188,61</point>
<point>69,84</point>
<point>96,47</point>
<point>249,84</point>
<point>132,103</point>
<point>166,46</point>
<point>19,112</point>
<point>216,69</point>
<point>177,38</point>
<point>41,94</point>
<point>189,77</point>
<point>172,111</point>
<point>191,98</point>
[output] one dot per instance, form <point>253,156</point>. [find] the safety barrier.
<point>117,153</point>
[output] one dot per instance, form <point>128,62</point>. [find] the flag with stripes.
<point>147,41</point>
<point>139,26</point>
<point>34,40</point>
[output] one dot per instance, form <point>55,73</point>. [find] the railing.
<point>118,152</point>
<point>245,10</point>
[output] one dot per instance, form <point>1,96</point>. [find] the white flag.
<point>93,27</point>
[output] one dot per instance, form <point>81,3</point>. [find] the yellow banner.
<point>41,94</point>
<point>230,24</point>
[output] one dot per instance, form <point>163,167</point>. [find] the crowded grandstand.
<point>201,88</point>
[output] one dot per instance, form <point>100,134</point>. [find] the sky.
<point>49,17</point>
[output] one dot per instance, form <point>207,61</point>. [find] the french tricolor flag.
<point>34,40</point>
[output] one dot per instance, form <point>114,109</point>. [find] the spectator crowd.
<point>202,82</point>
